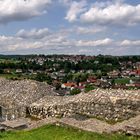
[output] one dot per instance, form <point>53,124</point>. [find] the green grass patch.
<point>13,76</point>
<point>52,132</point>
<point>122,81</point>
<point>9,61</point>
<point>8,76</point>
<point>125,80</point>
<point>16,76</point>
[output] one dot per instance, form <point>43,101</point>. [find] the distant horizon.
<point>64,54</point>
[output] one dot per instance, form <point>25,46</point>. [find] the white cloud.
<point>104,13</point>
<point>94,43</point>
<point>130,43</point>
<point>10,43</point>
<point>84,51</point>
<point>59,42</point>
<point>122,14</point>
<point>18,10</point>
<point>33,34</point>
<point>76,8</point>
<point>89,30</point>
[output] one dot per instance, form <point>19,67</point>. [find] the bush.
<point>89,88</point>
<point>75,91</point>
<point>43,77</point>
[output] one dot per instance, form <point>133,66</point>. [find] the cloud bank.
<point>19,10</point>
<point>104,13</point>
<point>45,40</point>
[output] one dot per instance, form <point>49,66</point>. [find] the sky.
<point>91,27</point>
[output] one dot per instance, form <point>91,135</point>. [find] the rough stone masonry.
<point>116,105</point>
<point>16,96</point>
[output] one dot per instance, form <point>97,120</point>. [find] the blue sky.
<point>89,27</point>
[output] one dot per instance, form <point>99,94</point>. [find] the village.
<point>72,74</point>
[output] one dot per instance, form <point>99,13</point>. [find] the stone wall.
<point>16,96</point>
<point>110,105</point>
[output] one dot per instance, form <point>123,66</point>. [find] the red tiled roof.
<point>137,84</point>
<point>70,84</point>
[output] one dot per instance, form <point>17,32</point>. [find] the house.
<point>91,79</point>
<point>89,71</point>
<point>68,85</point>
<point>138,65</point>
<point>62,71</point>
<point>138,72</point>
<point>53,76</point>
<point>96,62</point>
<point>7,71</point>
<point>82,71</point>
<point>83,84</point>
<point>125,73</point>
<point>137,83</point>
<point>18,70</point>
<point>130,85</point>
<point>73,71</point>
<point>97,83</point>
<point>31,71</point>
<point>113,74</point>
<point>40,71</point>
<point>81,88</point>
<point>61,75</point>
<point>133,73</point>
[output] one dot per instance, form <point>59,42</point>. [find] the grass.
<point>13,76</point>
<point>16,76</point>
<point>52,132</point>
<point>122,81</point>
<point>9,61</point>
<point>8,76</point>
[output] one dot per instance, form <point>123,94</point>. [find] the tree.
<point>43,77</point>
<point>113,82</point>
<point>75,91</point>
<point>89,88</point>
<point>1,71</point>
<point>58,86</point>
<point>67,67</point>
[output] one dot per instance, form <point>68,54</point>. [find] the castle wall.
<point>99,105</point>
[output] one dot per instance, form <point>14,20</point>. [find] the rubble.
<point>110,105</point>
<point>15,96</point>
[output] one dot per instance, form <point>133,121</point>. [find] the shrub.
<point>75,91</point>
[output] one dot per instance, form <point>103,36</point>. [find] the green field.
<point>51,132</point>
<point>9,61</point>
<point>124,80</point>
